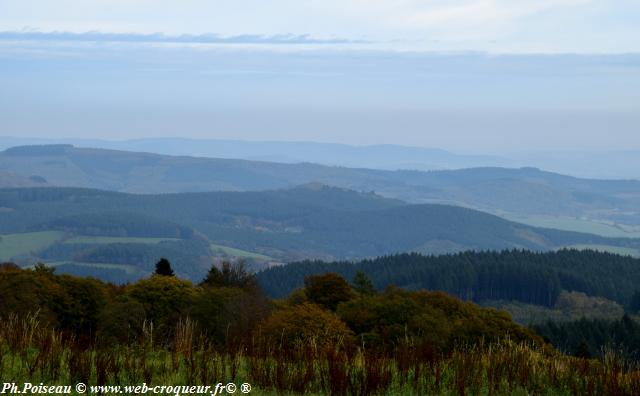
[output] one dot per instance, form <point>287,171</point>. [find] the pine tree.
<point>362,284</point>
<point>163,267</point>
<point>634,305</point>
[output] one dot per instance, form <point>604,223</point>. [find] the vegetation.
<point>163,268</point>
<point>609,249</point>
<point>314,221</point>
<point>594,337</point>
<point>164,330</point>
<point>95,240</point>
<point>522,192</point>
<point>605,229</point>
<point>233,252</point>
<point>514,275</point>
<point>15,245</point>
<point>570,306</point>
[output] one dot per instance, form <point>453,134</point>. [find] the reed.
<point>31,352</point>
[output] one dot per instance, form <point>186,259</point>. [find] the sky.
<point>472,75</point>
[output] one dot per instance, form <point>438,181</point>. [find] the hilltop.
<point>528,195</point>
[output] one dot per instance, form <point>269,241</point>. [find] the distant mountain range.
<point>389,157</point>
<point>510,192</point>
<point>590,164</point>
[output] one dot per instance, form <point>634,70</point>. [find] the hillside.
<point>118,230</point>
<point>385,156</point>
<point>527,277</point>
<point>516,193</point>
<point>10,179</point>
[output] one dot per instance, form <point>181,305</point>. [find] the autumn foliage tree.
<point>327,290</point>
<point>306,323</point>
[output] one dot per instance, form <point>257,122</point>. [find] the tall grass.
<point>33,353</point>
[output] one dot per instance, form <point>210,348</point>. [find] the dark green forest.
<point>529,277</point>
<point>594,338</point>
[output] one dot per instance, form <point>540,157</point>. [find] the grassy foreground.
<point>31,353</point>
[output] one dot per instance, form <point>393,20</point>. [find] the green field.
<point>83,239</point>
<point>609,249</point>
<point>575,224</point>
<point>129,269</point>
<point>12,245</point>
<point>238,252</point>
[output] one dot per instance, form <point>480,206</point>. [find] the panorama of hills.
<point>111,214</point>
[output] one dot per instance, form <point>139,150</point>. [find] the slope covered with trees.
<point>309,222</point>
<point>529,277</point>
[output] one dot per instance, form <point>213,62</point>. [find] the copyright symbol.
<point>81,388</point>
<point>231,388</point>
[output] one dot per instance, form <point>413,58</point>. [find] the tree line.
<point>228,307</point>
<point>517,275</point>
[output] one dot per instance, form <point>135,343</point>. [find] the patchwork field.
<point>12,245</point>
<point>577,225</point>
<point>93,240</point>
<point>238,252</point>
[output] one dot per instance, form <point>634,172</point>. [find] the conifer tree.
<point>163,267</point>
<point>362,284</point>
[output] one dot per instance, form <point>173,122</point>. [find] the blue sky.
<point>584,26</point>
<point>477,75</point>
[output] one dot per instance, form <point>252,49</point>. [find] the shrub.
<point>327,290</point>
<point>306,323</point>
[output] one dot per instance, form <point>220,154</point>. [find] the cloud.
<point>584,26</point>
<point>210,38</point>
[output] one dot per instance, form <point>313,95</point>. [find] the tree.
<point>362,284</point>
<point>304,324</point>
<point>163,267</point>
<point>327,290</point>
<point>165,299</point>
<point>231,276</point>
<point>634,305</point>
<point>44,269</point>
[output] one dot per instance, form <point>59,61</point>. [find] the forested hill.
<point>309,222</point>
<point>525,191</point>
<point>533,278</point>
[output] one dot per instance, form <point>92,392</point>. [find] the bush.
<point>428,317</point>
<point>165,299</point>
<point>327,290</point>
<point>227,314</point>
<point>306,323</point>
<point>121,322</point>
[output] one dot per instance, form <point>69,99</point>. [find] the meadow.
<point>33,353</point>
<point>233,252</point>
<point>12,245</point>
<point>605,229</point>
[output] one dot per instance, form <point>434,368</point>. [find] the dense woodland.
<point>529,277</point>
<point>228,306</point>
<point>593,338</point>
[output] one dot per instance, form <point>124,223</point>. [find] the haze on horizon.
<point>470,75</point>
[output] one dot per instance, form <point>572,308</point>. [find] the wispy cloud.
<point>95,36</point>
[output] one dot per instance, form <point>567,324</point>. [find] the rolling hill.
<point>516,193</point>
<point>307,222</point>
